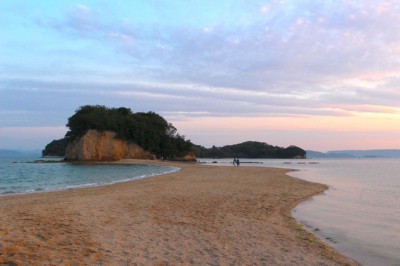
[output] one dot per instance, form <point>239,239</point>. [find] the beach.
<point>201,215</point>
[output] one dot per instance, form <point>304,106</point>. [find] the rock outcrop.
<point>189,157</point>
<point>104,146</point>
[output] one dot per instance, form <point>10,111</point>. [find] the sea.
<point>359,215</point>
<point>23,175</point>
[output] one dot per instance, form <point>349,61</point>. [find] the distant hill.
<point>316,154</point>
<point>15,153</point>
<point>389,153</point>
<point>4,153</point>
<point>383,153</point>
<point>249,149</point>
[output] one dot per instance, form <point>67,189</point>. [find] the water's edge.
<point>98,183</point>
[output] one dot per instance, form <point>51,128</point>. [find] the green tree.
<point>149,130</point>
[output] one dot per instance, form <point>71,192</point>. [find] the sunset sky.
<point>322,75</point>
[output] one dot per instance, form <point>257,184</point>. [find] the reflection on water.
<point>360,214</point>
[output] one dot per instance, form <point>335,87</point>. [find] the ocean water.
<point>20,175</point>
<point>359,215</point>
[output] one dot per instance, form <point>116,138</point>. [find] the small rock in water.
<point>331,240</point>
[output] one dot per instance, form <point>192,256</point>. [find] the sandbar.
<point>201,215</point>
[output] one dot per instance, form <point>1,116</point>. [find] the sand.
<point>202,215</point>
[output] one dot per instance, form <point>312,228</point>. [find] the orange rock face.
<point>103,146</point>
<point>190,157</point>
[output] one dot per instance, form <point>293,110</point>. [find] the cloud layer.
<point>285,59</point>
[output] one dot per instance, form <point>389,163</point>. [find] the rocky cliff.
<point>103,146</point>
<point>189,157</point>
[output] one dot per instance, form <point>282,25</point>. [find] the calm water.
<point>20,175</point>
<point>360,214</point>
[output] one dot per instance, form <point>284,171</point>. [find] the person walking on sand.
<point>237,162</point>
<point>234,162</point>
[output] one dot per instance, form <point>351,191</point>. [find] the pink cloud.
<point>122,38</point>
<point>366,108</point>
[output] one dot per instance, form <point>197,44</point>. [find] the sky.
<point>319,74</point>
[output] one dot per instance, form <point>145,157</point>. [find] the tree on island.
<point>55,148</point>
<point>148,130</point>
<point>249,149</point>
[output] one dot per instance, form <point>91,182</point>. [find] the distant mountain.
<point>316,154</point>
<point>392,153</point>
<point>18,153</point>
<point>389,153</point>
<point>4,152</point>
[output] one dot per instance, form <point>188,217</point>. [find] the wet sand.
<point>202,215</point>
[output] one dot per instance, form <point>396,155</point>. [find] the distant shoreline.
<point>201,214</point>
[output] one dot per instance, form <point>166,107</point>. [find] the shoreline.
<point>87,185</point>
<point>200,214</point>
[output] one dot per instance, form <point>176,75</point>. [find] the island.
<point>98,133</point>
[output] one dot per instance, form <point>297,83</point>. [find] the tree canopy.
<point>149,130</point>
<point>249,149</point>
<point>55,148</point>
